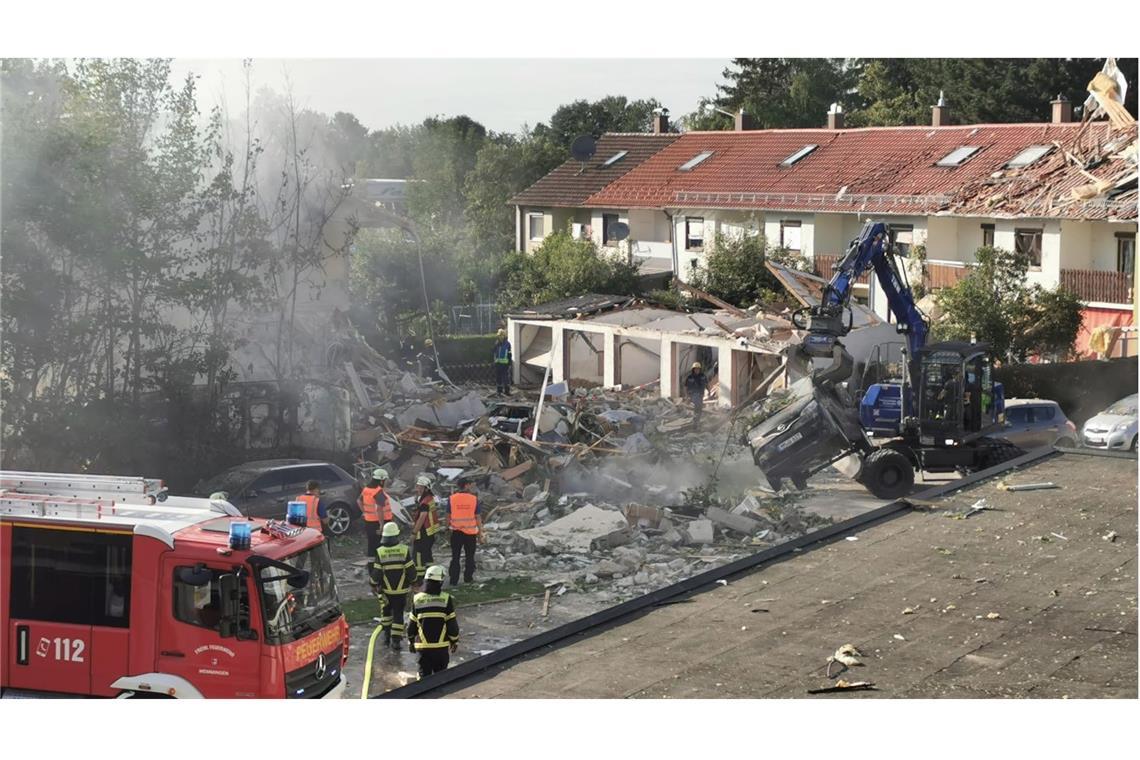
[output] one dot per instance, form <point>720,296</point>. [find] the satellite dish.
<point>617,231</point>
<point>583,148</point>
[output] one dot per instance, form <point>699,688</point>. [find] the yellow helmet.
<point>428,343</point>
<point>696,365</point>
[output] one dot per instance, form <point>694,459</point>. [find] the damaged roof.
<point>571,184</point>
<point>570,308</point>
<point>899,170</point>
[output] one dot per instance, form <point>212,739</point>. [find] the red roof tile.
<point>878,169</point>
<point>570,184</point>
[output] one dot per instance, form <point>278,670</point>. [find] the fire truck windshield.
<point>293,613</point>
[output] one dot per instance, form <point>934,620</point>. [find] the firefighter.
<point>392,574</point>
<point>375,507</point>
<point>425,524</point>
<point>433,630</point>
<point>316,513</point>
<point>501,357</point>
<point>466,530</point>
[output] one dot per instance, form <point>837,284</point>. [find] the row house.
<point>948,189</point>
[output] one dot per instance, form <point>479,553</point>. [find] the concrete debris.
<point>700,532</point>
<point>738,523</point>
<point>575,532</point>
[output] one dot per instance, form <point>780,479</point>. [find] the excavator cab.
<point>958,400</point>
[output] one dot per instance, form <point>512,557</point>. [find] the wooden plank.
<point>711,299</point>
<point>517,470</point>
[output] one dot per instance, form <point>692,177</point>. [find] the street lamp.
<point>407,225</point>
<point>710,108</point>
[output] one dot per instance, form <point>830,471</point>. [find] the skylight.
<point>692,162</point>
<point>1028,156</point>
<point>798,155</point>
<point>615,158</point>
<point>958,155</point>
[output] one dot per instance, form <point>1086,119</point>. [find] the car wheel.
<point>1132,448</point>
<point>1066,443</point>
<point>339,518</point>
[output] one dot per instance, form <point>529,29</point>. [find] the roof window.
<point>801,153</point>
<point>957,156</point>
<point>694,161</point>
<point>1028,156</point>
<point>615,158</point>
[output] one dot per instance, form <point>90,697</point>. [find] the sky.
<point>501,94</point>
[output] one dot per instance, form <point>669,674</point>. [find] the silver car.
<point>1114,428</point>
<point>1033,422</point>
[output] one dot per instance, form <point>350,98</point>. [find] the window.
<point>799,154</point>
<point>1044,413</point>
<point>607,221</point>
<point>1028,242</point>
<point>296,478</point>
<point>694,233</point>
<point>1125,252</point>
<point>790,235</point>
<point>615,158</point>
<point>535,226</point>
<point>957,156</point>
<point>202,605</point>
<point>270,482</point>
<point>1028,156</point>
<point>692,162</point>
<point>987,236</point>
<point>904,237</point>
<point>1018,415</point>
<point>69,576</point>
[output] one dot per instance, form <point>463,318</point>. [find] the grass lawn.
<point>363,610</point>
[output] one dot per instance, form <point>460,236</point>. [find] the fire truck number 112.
<point>69,650</point>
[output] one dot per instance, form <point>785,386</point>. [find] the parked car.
<point>1033,422</point>
<point>262,489</point>
<point>1114,428</point>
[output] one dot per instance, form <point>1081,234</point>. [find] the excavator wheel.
<point>997,450</point>
<point>887,473</point>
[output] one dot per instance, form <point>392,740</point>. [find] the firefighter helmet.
<point>391,529</point>
<point>434,573</point>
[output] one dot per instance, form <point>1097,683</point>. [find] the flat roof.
<point>1029,598</point>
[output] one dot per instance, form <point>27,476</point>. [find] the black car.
<point>262,489</point>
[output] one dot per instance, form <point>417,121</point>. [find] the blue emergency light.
<point>297,513</point>
<point>239,535</point>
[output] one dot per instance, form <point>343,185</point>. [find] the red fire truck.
<point>110,587</point>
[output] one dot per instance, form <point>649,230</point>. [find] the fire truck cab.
<point>111,588</point>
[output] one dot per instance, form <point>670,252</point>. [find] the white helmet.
<point>379,474</point>
<point>434,573</point>
<point>424,480</point>
<point>390,529</point>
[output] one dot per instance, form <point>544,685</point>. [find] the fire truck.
<point>110,587</point>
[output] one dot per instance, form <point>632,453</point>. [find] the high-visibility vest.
<point>463,513</point>
<point>502,352</point>
<point>369,497</point>
<point>395,566</point>
<point>312,516</point>
<point>432,526</point>
<point>432,608</point>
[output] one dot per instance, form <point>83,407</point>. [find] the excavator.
<point>947,405</point>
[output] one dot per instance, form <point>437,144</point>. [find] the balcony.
<point>1100,287</point>
<point>939,274</point>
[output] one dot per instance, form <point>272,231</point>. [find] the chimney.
<point>835,116</point>
<point>1062,110</point>
<point>660,121</point>
<point>940,114</point>
<point>744,121</point>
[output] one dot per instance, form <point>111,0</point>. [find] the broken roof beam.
<point>711,299</point>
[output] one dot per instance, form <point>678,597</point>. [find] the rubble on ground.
<point>614,494</point>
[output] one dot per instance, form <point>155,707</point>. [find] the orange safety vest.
<point>368,499</point>
<point>463,513</point>
<point>312,517</point>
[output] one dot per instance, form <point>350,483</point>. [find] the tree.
<point>780,93</point>
<point>995,305</point>
<point>613,113</point>
<point>734,270</point>
<point>901,91</point>
<point>562,267</point>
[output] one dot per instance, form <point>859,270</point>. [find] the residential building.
<point>948,189</point>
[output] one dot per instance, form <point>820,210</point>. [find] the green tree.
<point>901,91</point>
<point>613,113</point>
<point>563,267</point>
<point>995,305</point>
<point>734,270</point>
<point>780,92</point>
